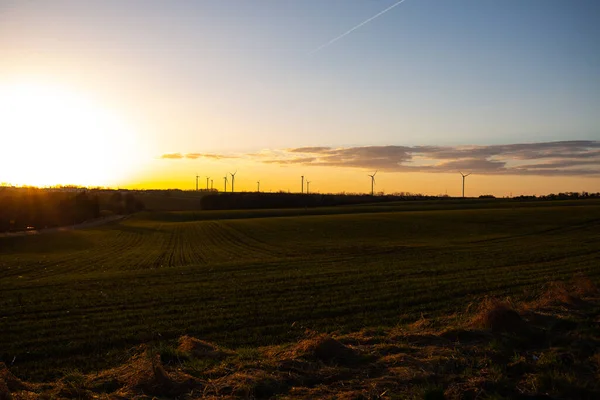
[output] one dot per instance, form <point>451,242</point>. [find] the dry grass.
<point>197,348</point>
<point>253,383</point>
<point>498,316</point>
<point>315,347</point>
<point>477,355</point>
<point>584,286</point>
<point>143,373</point>
<point>10,383</point>
<point>420,324</point>
<point>558,294</point>
<point>566,294</point>
<point>324,348</point>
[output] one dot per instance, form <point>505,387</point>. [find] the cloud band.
<point>566,158</point>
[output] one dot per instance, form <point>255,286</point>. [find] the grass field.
<point>76,300</point>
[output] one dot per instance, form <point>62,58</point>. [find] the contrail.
<point>335,39</point>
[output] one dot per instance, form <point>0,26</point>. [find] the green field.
<point>76,300</point>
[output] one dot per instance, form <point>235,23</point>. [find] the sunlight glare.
<point>51,136</point>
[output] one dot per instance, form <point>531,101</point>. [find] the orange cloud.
<point>171,156</point>
<point>194,156</point>
<point>566,158</point>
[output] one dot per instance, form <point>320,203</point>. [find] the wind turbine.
<point>197,176</point>
<point>307,186</point>
<point>373,183</point>
<point>258,188</point>
<point>463,179</point>
<point>302,184</point>
<point>211,184</point>
<point>225,178</point>
<point>232,180</point>
<point>207,178</point>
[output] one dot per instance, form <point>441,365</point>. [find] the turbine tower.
<point>307,186</point>
<point>207,179</point>
<point>373,183</point>
<point>232,180</point>
<point>211,184</point>
<point>302,184</point>
<point>258,188</point>
<point>225,178</point>
<point>463,181</point>
<point>197,176</point>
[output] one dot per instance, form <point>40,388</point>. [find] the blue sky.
<point>239,76</point>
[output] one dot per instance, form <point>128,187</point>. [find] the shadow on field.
<point>47,243</point>
<point>544,348</point>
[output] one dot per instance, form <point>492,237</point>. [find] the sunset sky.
<point>147,94</point>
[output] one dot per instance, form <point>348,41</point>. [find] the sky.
<point>149,94</point>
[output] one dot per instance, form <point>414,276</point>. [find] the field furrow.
<point>78,298</point>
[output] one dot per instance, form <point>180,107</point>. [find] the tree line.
<point>561,196</point>
<point>255,200</point>
<point>33,208</point>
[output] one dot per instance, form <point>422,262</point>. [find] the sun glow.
<point>50,135</point>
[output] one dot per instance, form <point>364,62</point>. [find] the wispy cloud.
<point>194,156</point>
<point>310,150</point>
<point>172,156</point>
<point>567,158</point>
<point>298,160</point>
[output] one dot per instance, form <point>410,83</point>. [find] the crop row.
<point>245,282</point>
